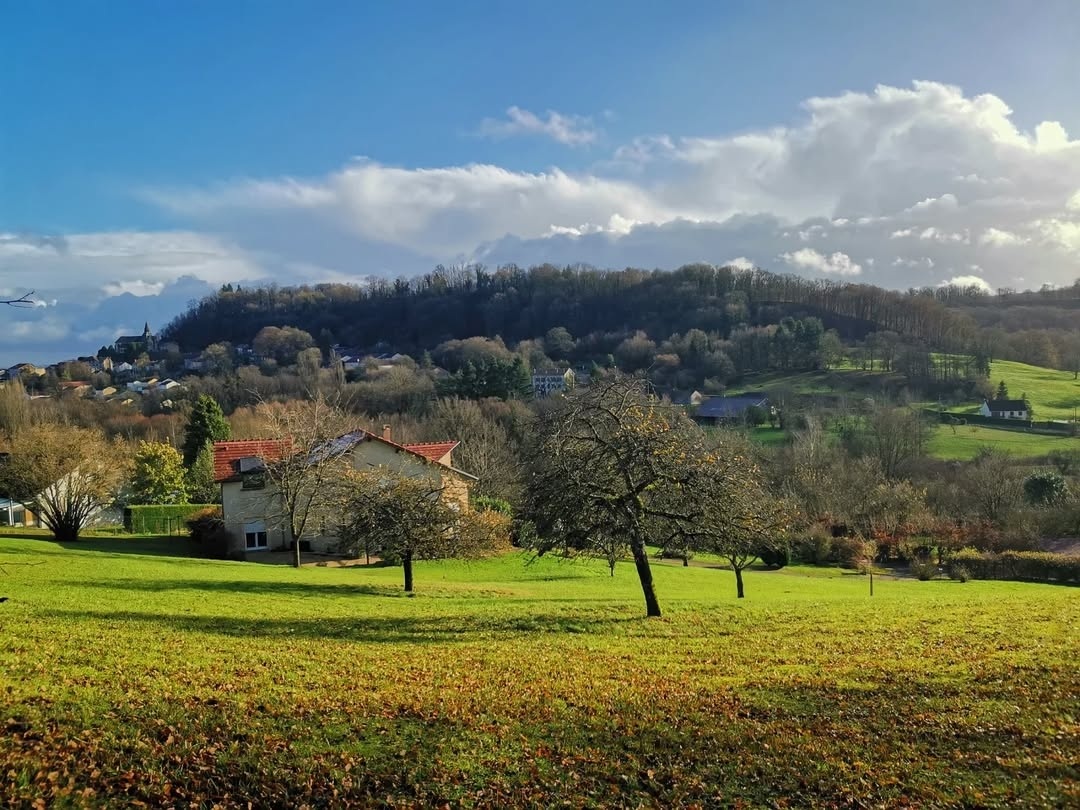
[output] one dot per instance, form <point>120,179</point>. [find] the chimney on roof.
<point>386,432</point>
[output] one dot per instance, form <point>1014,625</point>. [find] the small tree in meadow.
<point>736,517</point>
<point>605,472</point>
<point>158,476</point>
<point>405,518</point>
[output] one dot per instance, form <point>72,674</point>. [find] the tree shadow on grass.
<point>386,629</point>
<point>247,586</point>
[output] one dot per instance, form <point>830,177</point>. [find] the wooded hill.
<point>518,304</point>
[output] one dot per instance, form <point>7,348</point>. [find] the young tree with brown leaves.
<point>68,473</point>
<point>732,513</point>
<point>407,517</point>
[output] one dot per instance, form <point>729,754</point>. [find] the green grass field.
<point>966,441</point>
<point>1053,394</point>
<point>132,676</point>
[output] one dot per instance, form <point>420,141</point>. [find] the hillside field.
<point>966,441</point>
<point>140,676</point>
<point>1054,394</point>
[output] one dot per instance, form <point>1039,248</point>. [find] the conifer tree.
<point>205,425</point>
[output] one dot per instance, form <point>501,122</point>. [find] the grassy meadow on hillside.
<point>133,675</point>
<point>1054,394</point>
<point>965,441</point>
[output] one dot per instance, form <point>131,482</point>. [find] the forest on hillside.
<point>604,307</point>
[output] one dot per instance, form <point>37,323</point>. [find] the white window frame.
<point>254,531</point>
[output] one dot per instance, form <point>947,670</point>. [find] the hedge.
<point>947,417</point>
<point>169,519</point>
<point>1033,566</point>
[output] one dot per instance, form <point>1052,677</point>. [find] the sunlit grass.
<point>965,441</point>
<point>503,683</point>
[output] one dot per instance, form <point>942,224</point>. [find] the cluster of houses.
<point>129,379</point>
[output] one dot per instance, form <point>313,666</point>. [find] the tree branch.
<point>23,301</point>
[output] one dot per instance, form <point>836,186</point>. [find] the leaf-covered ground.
<point>128,675</point>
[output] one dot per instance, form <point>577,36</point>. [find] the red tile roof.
<point>432,451</point>
<point>226,454</point>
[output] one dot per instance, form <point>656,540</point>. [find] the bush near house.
<point>1033,566</point>
<point>161,519</point>
<point>210,537</point>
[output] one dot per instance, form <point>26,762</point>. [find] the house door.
<point>255,536</point>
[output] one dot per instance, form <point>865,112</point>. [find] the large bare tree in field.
<point>302,476</point>
<point>67,473</point>
<point>608,467</point>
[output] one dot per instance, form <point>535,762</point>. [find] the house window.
<point>255,536</point>
<point>254,480</point>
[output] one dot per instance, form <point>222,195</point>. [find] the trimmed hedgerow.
<point>161,519</point>
<point>1032,566</point>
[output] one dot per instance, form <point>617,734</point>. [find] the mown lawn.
<point>965,441</point>
<point>129,675</point>
<point>1054,394</point>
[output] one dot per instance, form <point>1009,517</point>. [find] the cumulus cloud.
<point>968,281</point>
<point>569,130</point>
<point>885,185</point>
<point>839,264</point>
<point>740,263</point>
<point>948,177</point>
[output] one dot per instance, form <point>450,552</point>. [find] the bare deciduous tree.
<point>605,469</point>
<point>302,473</point>
<point>68,473</point>
<point>731,513</point>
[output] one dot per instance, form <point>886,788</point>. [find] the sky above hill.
<point>151,152</point>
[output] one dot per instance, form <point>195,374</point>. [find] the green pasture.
<point>132,674</point>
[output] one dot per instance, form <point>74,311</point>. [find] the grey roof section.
<point>1007,405</point>
<point>730,407</point>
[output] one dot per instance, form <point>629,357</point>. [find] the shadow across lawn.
<point>386,629</point>
<point>247,586</point>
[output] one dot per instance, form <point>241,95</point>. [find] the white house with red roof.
<point>251,508</point>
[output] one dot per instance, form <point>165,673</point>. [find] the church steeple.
<point>146,330</point>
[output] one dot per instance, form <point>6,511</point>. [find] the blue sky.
<point>144,142</point>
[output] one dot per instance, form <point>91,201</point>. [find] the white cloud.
<point>1000,238</point>
<point>924,175</point>
<point>855,171</point>
<point>968,281</point>
<point>136,287</point>
<point>809,259</point>
<point>925,262</point>
<point>569,130</point>
<point>936,235</point>
<point>740,263</point>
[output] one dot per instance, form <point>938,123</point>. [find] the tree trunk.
<point>641,562</point>
<point>407,565</point>
<point>738,583</point>
<point>296,549</point>
<point>66,532</point>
